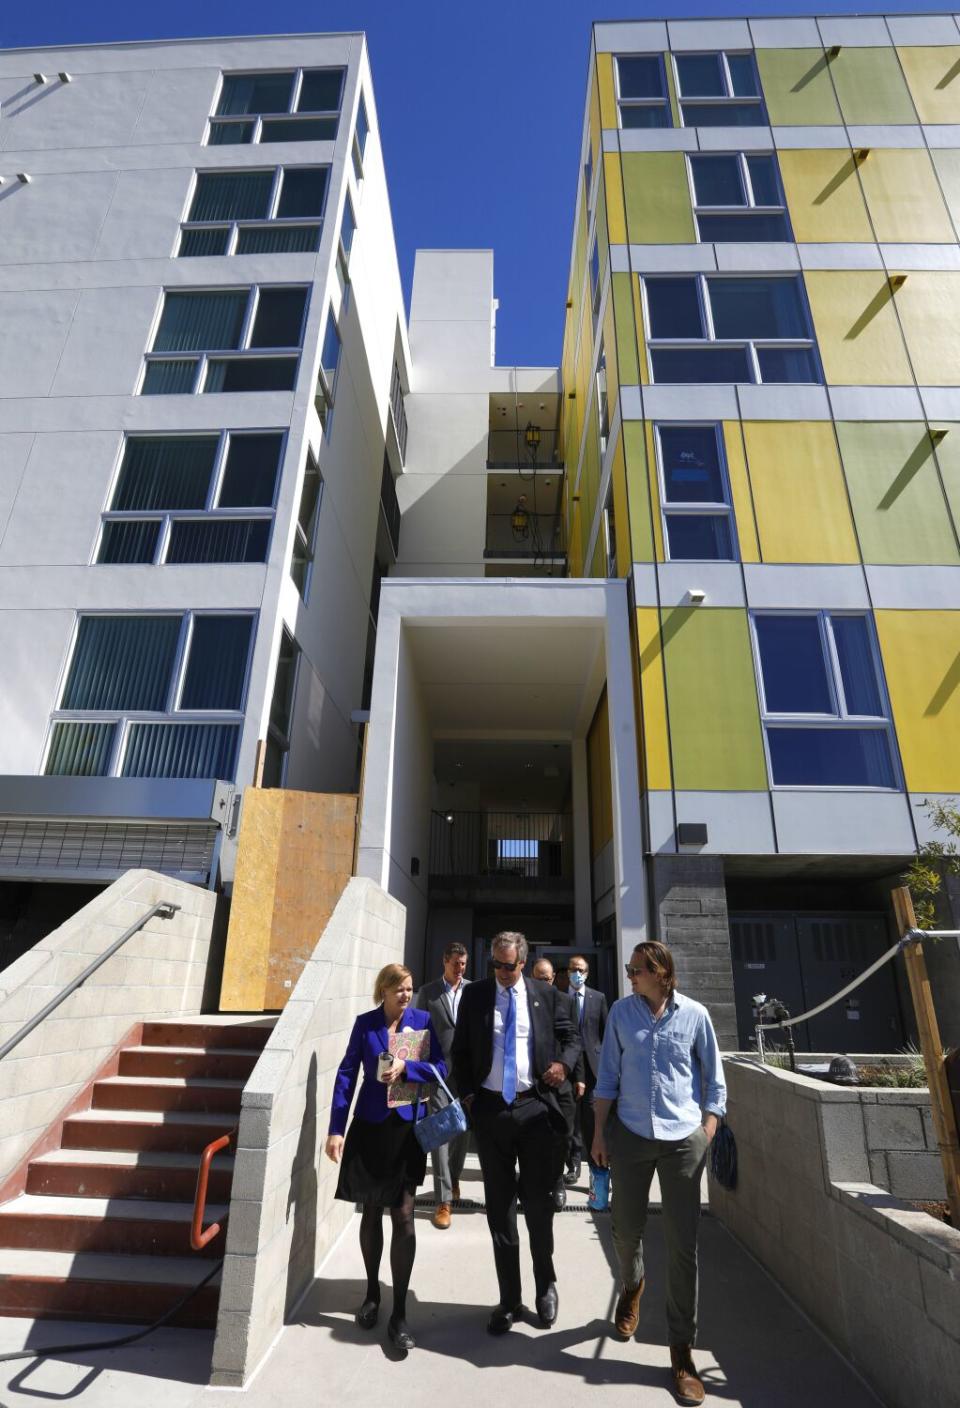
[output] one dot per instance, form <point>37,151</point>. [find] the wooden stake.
<point>944,1120</point>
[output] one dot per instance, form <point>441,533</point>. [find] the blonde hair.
<point>389,977</point>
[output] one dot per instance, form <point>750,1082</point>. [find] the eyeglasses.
<point>633,970</point>
<point>507,967</point>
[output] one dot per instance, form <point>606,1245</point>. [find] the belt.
<point>530,1094</point>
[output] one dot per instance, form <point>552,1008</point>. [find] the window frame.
<point>704,508</point>
<point>306,541</point>
<point>609,529</point>
<point>662,102</point>
<point>270,221</point>
<point>275,737</point>
<point>603,402</point>
<point>751,206</point>
<point>123,720</point>
<point>290,113</point>
<point>727,99</point>
<point>325,392</point>
<point>842,718</point>
<point>358,149</point>
<point>752,345</point>
<point>244,352</point>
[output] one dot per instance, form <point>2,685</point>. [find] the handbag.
<point>723,1157</point>
<point>443,1125</point>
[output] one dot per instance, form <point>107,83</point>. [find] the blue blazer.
<point>368,1041</point>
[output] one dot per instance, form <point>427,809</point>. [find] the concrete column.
<point>691,907</point>
<point>582,870</point>
<point>629,876</point>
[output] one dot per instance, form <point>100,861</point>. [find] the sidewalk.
<point>755,1350</point>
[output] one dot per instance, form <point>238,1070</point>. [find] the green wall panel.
<point>796,84</point>
<point>657,198</point>
<point>626,331</point>
<point>712,705</point>
<point>871,86</point>
<point>898,505</point>
<point>948,457</point>
<point>638,494</point>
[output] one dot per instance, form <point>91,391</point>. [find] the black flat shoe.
<point>399,1336</point>
<point>502,1319</point>
<point>366,1316</point>
<point>548,1306</point>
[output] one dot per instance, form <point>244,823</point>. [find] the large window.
<point>711,328</point>
<point>297,105</point>
<point>153,696</point>
<point>642,92</point>
<point>694,493</point>
<point>234,339</point>
<point>193,498</point>
<point>719,90</point>
<point>360,135</point>
<point>738,197</point>
<point>255,212</point>
<point>308,515</point>
<point>329,366</point>
<point>824,710</point>
<point>281,714</point>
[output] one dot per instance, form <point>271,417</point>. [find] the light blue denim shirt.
<point>663,1074</point>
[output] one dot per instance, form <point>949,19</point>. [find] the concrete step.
<point>149,1131</point>
<point>108,1173</point>
<point>93,1286</point>
<point>206,1032</point>
<point>210,1063</point>
<point>167,1093</point>
<point>116,1225</point>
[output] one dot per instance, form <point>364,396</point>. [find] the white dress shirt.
<point>453,996</point>
<point>494,1080</point>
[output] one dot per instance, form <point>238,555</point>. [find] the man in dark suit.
<point>513,1051</point>
<point>441,999</point>
<point>590,1007</point>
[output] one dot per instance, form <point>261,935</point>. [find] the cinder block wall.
<point>690,902</point>
<point>283,1216</point>
<point>160,971</point>
<point>880,1278</point>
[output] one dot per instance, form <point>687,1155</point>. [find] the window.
<point>738,197</point>
<point>588,182</point>
<point>255,212</point>
<point>710,328</point>
<point>245,322</point>
<point>153,696</point>
<point>595,285</point>
<point>329,365</point>
<point>182,498</point>
<point>719,90</point>
<point>361,132</point>
<point>642,91</point>
<point>306,533</point>
<point>281,713</point>
<point>348,228</point>
<point>610,536</point>
<point>603,407</point>
<point>824,711</point>
<point>398,410</point>
<point>697,519</point>
<point>298,105</point>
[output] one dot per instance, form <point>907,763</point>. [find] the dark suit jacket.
<point>591,1034</point>
<point>433,998</point>
<point>554,1038</point>
<point>367,1040</point>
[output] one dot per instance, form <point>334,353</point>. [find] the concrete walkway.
<point>756,1349</point>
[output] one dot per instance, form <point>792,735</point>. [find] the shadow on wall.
<point>879,301</point>
<point>945,688</point>
<point>302,1197</point>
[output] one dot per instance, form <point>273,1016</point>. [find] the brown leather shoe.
<point>626,1317</point>
<point>441,1218</point>
<point>687,1384</point>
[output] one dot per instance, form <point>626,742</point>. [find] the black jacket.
<point>591,1034</point>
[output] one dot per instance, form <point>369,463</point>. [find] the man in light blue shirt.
<point>661,1063</point>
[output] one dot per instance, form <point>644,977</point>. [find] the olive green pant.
<point>678,1163</point>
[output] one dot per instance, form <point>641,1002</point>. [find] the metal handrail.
<point>199,1238</point>
<point>164,910</point>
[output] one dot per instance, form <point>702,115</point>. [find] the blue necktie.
<point>510,1048</point>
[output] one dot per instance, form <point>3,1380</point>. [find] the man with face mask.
<point>590,1010</point>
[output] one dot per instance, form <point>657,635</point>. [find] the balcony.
<point>508,449</point>
<point>498,851</point>
<point>523,534</point>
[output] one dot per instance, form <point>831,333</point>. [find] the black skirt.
<point>381,1162</point>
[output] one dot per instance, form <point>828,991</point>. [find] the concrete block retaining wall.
<point>160,971</point>
<point>283,1216</point>
<point>880,1279</point>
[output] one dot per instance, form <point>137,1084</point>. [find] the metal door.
<point>833,949</point>
<point>765,957</point>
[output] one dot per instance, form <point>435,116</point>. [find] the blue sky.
<point>480,106</point>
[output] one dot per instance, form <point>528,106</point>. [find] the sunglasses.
<point>633,970</point>
<point>507,967</point>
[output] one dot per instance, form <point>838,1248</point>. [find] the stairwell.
<point>101,1230</point>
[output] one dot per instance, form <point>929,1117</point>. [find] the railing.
<point>508,449</point>
<point>390,506</point>
<point>512,845</point>
<point>525,534</point>
<point>198,1237</point>
<point>164,910</point>
<point>399,414</point>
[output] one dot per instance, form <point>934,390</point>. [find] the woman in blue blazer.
<point>381,1162</point>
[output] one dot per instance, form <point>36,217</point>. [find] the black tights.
<point>403,1249</point>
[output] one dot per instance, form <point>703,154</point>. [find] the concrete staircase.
<point>101,1230</point>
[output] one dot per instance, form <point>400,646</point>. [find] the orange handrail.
<point>199,1238</point>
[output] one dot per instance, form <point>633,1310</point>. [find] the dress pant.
<point>449,1159</point>
<point>522,1148</point>
<point>678,1164</point>
<point>583,1126</point>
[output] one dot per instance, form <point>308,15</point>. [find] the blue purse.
<point>439,1128</point>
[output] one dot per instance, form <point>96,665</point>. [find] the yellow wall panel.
<point>653,701</point>
<point>823,196</point>
<point>638,492</point>
<point>799,493</point>
<point>628,367</point>
<point>857,329</point>
<point>903,197</point>
<point>621,510</point>
<point>740,491</point>
<point>616,216</point>
<point>947,164</point>
<point>933,77</point>
<point>657,196</point>
<point>608,97</point>
<point>929,308</point>
<point>921,660</point>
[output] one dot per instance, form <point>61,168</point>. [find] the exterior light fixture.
<point>897,281</point>
<point>24,178</point>
<point>697,595</point>
<point>532,437</point>
<point>861,154</point>
<point>448,818</point>
<point>938,433</point>
<point>40,78</point>
<point>834,51</point>
<point>520,519</point>
<point>65,77</point>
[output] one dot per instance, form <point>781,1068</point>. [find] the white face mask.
<point>577,980</point>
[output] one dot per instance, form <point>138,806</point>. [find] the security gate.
<point>805,958</point>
